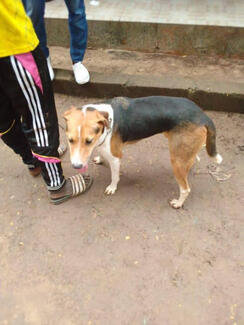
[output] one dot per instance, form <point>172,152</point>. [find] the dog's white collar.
<point>107,130</point>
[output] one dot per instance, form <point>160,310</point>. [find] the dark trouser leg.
<point>30,95</point>
<point>78,29</point>
<point>35,9</point>
<point>11,132</point>
<point>16,140</point>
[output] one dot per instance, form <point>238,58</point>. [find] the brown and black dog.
<point>110,125</point>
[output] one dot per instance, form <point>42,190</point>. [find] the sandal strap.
<point>78,184</point>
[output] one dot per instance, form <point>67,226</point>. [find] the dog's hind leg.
<point>181,174</point>
<point>184,144</point>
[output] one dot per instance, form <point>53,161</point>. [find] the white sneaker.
<point>50,69</point>
<point>81,73</point>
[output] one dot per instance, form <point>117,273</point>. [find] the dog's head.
<point>83,131</point>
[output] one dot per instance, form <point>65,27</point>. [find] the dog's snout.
<point>77,166</point>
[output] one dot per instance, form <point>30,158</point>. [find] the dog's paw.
<point>176,204</point>
<point>97,160</point>
<point>110,189</point>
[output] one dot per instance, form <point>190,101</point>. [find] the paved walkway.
<point>198,12</point>
<point>210,81</point>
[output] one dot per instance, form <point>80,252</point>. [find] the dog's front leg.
<point>98,160</point>
<point>114,164</point>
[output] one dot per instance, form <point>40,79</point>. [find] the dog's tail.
<point>211,142</point>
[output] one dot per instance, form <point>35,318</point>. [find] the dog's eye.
<point>88,141</point>
<point>71,140</point>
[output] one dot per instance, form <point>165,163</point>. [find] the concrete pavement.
<point>172,27</point>
<point>214,83</point>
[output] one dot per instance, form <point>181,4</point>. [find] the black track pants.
<point>28,118</point>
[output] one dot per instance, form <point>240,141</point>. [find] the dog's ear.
<point>68,112</point>
<point>103,118</point>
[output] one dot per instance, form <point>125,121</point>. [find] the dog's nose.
<point>77,166</point>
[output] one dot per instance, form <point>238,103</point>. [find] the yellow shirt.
<point>17,34</point>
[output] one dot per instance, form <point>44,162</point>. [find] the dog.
<point>110,125</point>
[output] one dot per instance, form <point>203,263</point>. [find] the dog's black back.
<point>143,117</point>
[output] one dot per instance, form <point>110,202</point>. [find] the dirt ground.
<point>128,259</point>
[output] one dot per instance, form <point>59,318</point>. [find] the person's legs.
<point>35,9</point>
<point>77,28</point>
<point>11,132</point>
<point>30,95</point>
<point>78,38</point>
<point>25,83</point>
